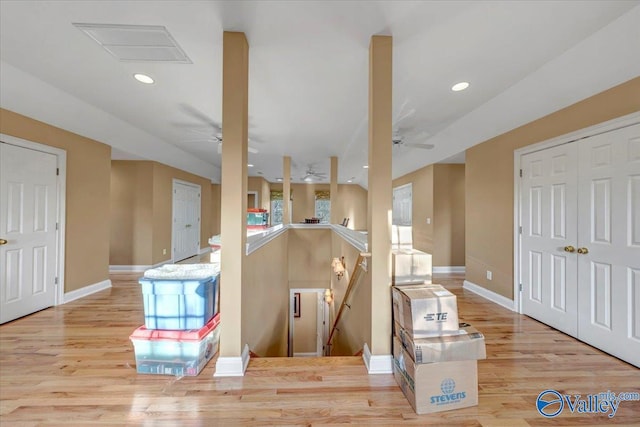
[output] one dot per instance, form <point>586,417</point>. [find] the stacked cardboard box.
<point>434,357</point>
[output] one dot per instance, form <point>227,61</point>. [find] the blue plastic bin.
<point>179,304</point>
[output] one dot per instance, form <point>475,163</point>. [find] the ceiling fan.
<point>213,131</point>
<point>399,140</point>
<point>311,175</point>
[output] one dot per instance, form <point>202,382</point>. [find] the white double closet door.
<point>580,239</point>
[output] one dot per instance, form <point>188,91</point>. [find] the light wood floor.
<point>74,364</point>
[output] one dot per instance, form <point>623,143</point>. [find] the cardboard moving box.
<point>467,345</point>
<point>435,387</point>
<point>425,311</point>
<point>410,266</point>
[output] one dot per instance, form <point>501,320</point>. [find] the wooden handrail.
<point>353,279</point>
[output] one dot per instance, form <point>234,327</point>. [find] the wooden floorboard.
<point>74,365</point>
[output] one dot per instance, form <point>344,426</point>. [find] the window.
<point>323,206</point>
<point>402,205</point>
<point>277,208</point>
<point>276,212</point>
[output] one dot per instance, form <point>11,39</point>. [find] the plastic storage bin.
<point>180,353</point>
<point>179,304</point>
<point>257,217</point>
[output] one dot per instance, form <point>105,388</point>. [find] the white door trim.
<point>61,156</point>
<point>173,214</point>
<point>320,328</point>
<point>597,129</point>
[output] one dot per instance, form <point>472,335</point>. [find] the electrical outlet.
<point>428,220</point>
<point>164,252</point>
<point>489,275</point>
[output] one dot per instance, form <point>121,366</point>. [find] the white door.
<point>580,239</point>
<point>186,220</point>
<point>609,233</point>
<point>549,231</point>
<point>28,206</point>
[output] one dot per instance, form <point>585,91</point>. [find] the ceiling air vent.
<point>136,43</point>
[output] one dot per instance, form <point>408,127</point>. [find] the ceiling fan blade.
<point>423,146</point>
<point>250,149</point>
<point>194,112</point>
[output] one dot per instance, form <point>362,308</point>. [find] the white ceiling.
<point>309,74</point>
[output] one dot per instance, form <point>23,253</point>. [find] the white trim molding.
<point>232,366</point>
<point>449,269</point>
<point>377,364</point>
<point>135,268</point>
<point>489,295</point>
<point>86,291</point>
<point>306,355</point>
<point>128,268</point>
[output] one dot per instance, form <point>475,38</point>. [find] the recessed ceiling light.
<point>459,86</point>
<point>279,179</point>
<point>143,78</point>
<point>366,167</point>
<point>249,165</point>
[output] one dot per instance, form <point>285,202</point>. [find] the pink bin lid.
<point>143,333</point>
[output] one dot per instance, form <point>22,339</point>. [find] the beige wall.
<point>438,194</point>
<point>163,177</point>
<point>489,181</point>
<point>448,215</point>
<point>261,187</point>
<point>131,213</point>
<point>265,299</point>
<point>422,190</point>
<point>87,187</point>
<point>142,204</point>
<point>352,202</point>
<point>309,258</point>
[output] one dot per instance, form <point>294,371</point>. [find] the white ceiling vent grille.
<point>136,42</point>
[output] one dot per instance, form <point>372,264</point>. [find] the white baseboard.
<point>86,291</point>
<point>204,250</point>
<point>135,268</point>
<point>305,355</point>
<point>489,295</point>
<point>449,269</point>
<point>377,364</point>
<point>232,366</point>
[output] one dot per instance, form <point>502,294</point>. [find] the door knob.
<point>569,249</point>
<point>3,242</point>
<point>583,251</point>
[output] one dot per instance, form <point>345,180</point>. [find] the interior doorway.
<point>32,207</point>
<point>308,322</point>
<point>186,220</point>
